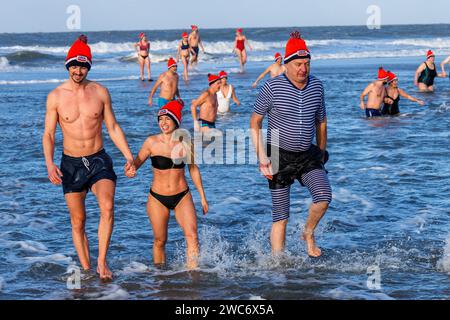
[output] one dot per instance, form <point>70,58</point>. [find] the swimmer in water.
<point>376,93</point>
<point>426,73</point>
<point>143,48</point>
<point>169,189</point>
<point>393,94</point>
<point>196,44</point>
<point>275,69</point>
<point>225,94</point>
<point>208,104</point>
<point>239,48</point>
<point>80,107</point>
<point>184,53</point>
<point>168,81</point>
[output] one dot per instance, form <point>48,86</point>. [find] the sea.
<point>385,236</point>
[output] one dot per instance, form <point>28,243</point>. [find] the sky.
<point>101,15</point>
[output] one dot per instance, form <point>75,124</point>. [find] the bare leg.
<point>104,191</point>
<point>75,203</point>
<point>185,73</point>
<point>239,54</point>
<point>187,219</point>
<point>424,88</point>
<point>278,236</point>
<point>159,218</point>
<point>141,67</point>
<point>244,58</point>
<point>147,63</point>
<point>316,212</point>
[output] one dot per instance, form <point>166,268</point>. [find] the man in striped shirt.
<point>295,105</point>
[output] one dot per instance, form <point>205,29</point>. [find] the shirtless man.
<point>275,69</point>
<point>195,42</point>
<point>80,106</point>
<point>376,92</point>
<point>425,74</point>
<point>169,86</point>
<point>208,104</point>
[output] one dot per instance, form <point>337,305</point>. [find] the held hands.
<point>130,169</point>
<point>54,174</point>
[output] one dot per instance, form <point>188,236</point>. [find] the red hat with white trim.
<point>79,54</point>
<point>184,35</point>
<point>141,35</point>
<point>171,63</point>
<point>430,54</point>
<point>194,27</point>
<point>240,30</point>
<point>382,74</point>
<point>296,48</point>
<point>391,76</point>
<point>223,74</point>
<point>278,56</point>
<point>212,78</point>
<point>172,110</point>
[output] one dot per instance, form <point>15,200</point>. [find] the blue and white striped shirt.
<point>291,111</point>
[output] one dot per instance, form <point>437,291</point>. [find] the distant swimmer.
<point>425,74</point>
<point>239,47</point>
<point>169,189</point>
<point>196,44</point>
<point>168,81</point>
<point>184,53</point>
<point>208,104</point>
<point>275,69</point>
<point>81,107</point>
<point>376,92</point>
<point>443,63</point>
<point>225,94</point>
<point>295,105</point>
<point>393,94</point>
<point>143,48</point>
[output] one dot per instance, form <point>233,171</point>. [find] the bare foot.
<point>313,250</point>
<point>104,272</point>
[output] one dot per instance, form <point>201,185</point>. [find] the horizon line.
<point>227,28</point>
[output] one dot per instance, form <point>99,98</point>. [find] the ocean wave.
<point>4,64</point>
<point>28,56</point>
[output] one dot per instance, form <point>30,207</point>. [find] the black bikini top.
<point>164,163</point>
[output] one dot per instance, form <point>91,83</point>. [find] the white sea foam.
<point>135,267</point>
<point>53,258</point>
<point>443,264</point>
<point>19,82</point>
<point>112,292</point>
<point>4,64</point>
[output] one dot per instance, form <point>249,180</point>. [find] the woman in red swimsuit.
<point>143,47</point>
<point>239,48</point>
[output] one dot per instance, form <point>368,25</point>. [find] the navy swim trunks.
<point>81,173</point>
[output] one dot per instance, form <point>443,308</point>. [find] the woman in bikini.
<point>170,190</point>
<point>225,94</point>
<point>184,53</point>
<point>239,48</point>
<point>143,47</point>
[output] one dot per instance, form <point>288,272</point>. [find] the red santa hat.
<point>79,54</point>
<point>184,35</point>
<point>223,74</point>
<point>382,74</point>
<point>240,30</point>
<point>171,63</point>
<point>173,111</point>
<point>194,27</point>
<point>296,48</point>
<point>430,54</point>
<point>212,78</point>
<point>391,76</point>
<point>141,35</point>
<point>278,56</point>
